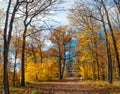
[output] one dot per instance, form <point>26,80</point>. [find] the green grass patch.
<point>110,92</point>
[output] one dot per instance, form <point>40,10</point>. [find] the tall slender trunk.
<point>41,57</point>
<point>117,3</point>
<point>60,63</point>
<point>108,52</point>
<point>23,58</point>
<point>14,73</point>
<point>23,45</point>
<point>95,62</point>
<point>109,59</point>
<point>98,67</point>
<point>5,53</point>
<point>96,56</point>
<point>95,45</point>
<point>94,70</point>
<point>113,40</point>
<point>34,55</point>
<point>103,71</point>
<point>7,40</point>
<point>64,59</point>
<point>5,77</point>
<point>94,66</point>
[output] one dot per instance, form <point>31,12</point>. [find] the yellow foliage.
<point>41,71</point>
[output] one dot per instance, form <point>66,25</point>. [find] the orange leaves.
<point>61,35</point>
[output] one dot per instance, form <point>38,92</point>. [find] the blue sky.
<point>61,16</point>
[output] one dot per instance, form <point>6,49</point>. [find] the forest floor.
<point>67,86</point>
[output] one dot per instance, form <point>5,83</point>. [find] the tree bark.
<point>60,64</point>
<point>23,58</point>
<point>109,58</point>
<point>96,56</point>
<point>34,55</point>
<point>5,53</point>
<point>6,82</point>
<point>23,46</point>
<point>14,73</point>
<point>113,39</point>
<point>64,60</point>
<point>108,52</point>
<point>94,70</point>
<point>7,40</point>
<point>117,3</point>
<point>41,56</point>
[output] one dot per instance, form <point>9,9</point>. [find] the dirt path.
<point>66,86</point>
<point>72,86</point>
<point>69,89</point>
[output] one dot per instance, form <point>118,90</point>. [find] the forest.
<point>39,57</point>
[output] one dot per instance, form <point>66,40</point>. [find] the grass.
<point>36,92</point>
<point>116,83</point>
<point>98,83</point>
<point>110,92</point>
<point>103,83</point>
<point>22,90</point>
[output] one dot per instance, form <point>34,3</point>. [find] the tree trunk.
<point>60,71</point>
<point>7,39</point>
<point>117,3</point>
<point>23,58</point>
<point>5,77</point>
<point>96,56</point>
<point>34,55</point>
<point>60,64</point>
<point>108,52</point>
<point>113,40</point>
<point>14,73</point>
<point>5,54</point>
<point>98,67</point>
<point>109,59</point>
<point>94,70</point>
<point>41,57</point>
<point>103,71</point>
<point>64,59</point>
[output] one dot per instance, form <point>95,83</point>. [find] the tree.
<point>61,37</point>
<point>31,10</point>
<point>98,10</point>
<point>86,27</point>
<point>7,38</point>
<point>113,37</point>
<point>16,46</point>
<point>117,3</point>
<point>37,44</point>
<point>108,51</point>
<point>1,56</point>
